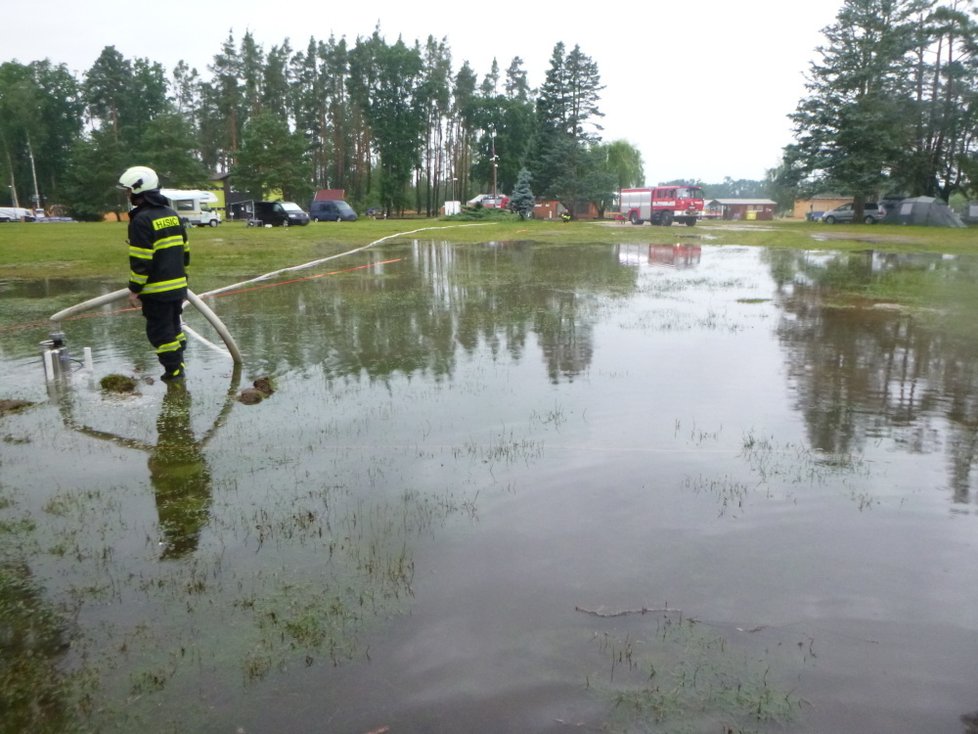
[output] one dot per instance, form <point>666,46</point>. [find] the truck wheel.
<point>213,223</point>
<point>633,218</point>
<point>690,221</point>
<point>666,220</point>
<point>869,219</point>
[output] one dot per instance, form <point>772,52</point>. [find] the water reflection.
<point>178,468</point>
<point>670,256</point>
<point>34,688</point>
<point>412,319</point>
<point>861,373</point>
<point>488,436</point>
<point>180,476</point>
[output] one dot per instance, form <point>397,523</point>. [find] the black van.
<point>277,214</point>
<point>332,210</point>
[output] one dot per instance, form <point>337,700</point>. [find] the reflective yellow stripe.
<point>162,244</point>
<point>165,285</point>
<point>140,252</point>
<point>135,277</point>
<point>168,347</point>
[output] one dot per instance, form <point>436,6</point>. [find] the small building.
<point>553,209</point>
<point>547,209</point>
<point>739,209</point>
<point>811,209</point>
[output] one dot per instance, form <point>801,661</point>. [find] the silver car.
<point>872,213</point>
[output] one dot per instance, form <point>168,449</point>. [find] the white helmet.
<point>139,179</point>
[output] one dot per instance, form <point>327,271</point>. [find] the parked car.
<point>278,214</point>
<point>297,215</point>
<point>488,201</point>
<point>332,210</point>
<point>496,202</point>
<point>872,213</point>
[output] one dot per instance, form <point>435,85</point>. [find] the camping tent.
<point>923,210</point>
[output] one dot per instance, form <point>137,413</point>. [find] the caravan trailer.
<point>194,206</point>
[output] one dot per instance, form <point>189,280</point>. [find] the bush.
<point>481,213</point>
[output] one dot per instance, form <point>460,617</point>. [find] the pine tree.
<point>521,201</point>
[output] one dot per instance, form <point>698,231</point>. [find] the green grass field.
<point>31,251</point>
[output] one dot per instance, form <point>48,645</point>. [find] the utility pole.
<point>13,182</point>
<point>495,165</point>
<point>37,195</point>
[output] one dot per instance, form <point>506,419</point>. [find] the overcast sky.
<point>701,88</point>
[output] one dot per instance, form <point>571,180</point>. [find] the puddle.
<point>507,488</point>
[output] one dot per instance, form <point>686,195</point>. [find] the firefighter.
<point>159,255</point>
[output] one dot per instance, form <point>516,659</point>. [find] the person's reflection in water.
<point>180,476</point>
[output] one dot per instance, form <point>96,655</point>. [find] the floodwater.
<point>504,488</point>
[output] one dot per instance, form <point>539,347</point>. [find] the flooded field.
<point>504,488</point>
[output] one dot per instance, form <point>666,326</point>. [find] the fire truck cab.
<point>662,205</point>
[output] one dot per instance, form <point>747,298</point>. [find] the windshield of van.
<point>343,208</point>
<point>290,206</point>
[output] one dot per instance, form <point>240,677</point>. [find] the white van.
<point>194,206</point>
<point>16,214</point>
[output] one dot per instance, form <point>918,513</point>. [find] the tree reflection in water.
<point>863,368</point>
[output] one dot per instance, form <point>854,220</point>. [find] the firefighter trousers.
<point>164,330</point>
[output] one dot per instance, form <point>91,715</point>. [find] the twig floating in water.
<point>626,612</point>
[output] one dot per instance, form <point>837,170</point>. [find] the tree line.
<point>891,109</point>
<point>394,125</point>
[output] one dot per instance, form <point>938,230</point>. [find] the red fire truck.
<point>662,205</point>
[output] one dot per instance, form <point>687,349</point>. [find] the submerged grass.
<point>214,612</point>
<point>688,678</point>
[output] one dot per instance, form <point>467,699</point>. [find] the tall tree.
<point>40,120</point>
<point>461,131</point>
<point>516,84</point>
<point>277,82</point>
<point>566,130</point>
<point>168,145</point>
<point>435,97</point>
<point>252,66</point>
<point>272,158</point>
<point>387,85</point>
<point>185,91</point>
<point>851,127</point>
<point>223,110</point>
<point>349,161</point>
<point>507,124</point>
<point>146,99</point>
<point>94,168</point>
<point>624,161</point>
<point>941,142</point>
<point>107,85</point>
